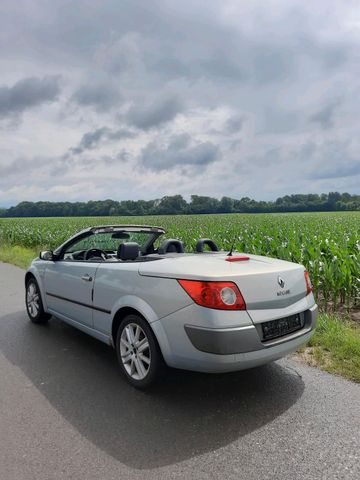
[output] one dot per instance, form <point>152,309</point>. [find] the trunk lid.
<point>265,283</point>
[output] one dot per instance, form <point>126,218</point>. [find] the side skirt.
<point>84,328</point>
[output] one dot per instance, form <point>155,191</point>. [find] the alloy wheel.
<point>33,300</point>
<point>135,351</point>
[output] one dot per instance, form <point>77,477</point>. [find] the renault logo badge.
<point>281,282</point>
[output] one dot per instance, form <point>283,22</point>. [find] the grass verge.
<point>19,256</point>
<point>335,346</point>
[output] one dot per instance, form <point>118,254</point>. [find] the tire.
<point>138,352</point>
<point>33,302</point>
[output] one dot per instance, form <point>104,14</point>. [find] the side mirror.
<point>46,255</point>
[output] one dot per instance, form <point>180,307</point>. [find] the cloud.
<point>102,96</point>
<point>154,114</point>
<point>179,152</point>
<point>91,140</point>
<point>234,124</point>
<point>325,116</point>
<point>28,93</point>
<point>12,168</point>
<point>333,160</point>
<point>23,167</point>
<point>348,169</point>
<point>265,97</point>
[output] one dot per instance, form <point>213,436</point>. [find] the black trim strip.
<point>99,309</point>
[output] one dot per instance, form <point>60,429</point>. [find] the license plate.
<point>282,326</point>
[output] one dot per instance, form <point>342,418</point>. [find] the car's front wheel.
<point>34,305</point>
<point>138,352</point>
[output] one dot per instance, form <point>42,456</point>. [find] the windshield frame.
<point>153,232</point>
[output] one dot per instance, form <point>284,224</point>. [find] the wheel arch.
<point>34,273</point>
<point>29,275</point>
<point>118,318</point>
<point>139,307</point>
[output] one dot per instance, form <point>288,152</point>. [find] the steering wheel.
<point>95,252</point>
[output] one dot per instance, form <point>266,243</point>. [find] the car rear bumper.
<point>226,341</point>
<point>197,347</point>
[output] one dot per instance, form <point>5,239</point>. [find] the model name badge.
<point>280,293</point>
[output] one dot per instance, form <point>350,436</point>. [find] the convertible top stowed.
<point>208,310</point>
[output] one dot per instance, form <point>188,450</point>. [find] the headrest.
<point>171,246</point>
<point>200,244</point>
<point>128,251</point>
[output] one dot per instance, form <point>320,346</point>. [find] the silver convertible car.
<point>209,311</point>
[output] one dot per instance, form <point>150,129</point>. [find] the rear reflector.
<point>309,288</point>
<point>236,259</point>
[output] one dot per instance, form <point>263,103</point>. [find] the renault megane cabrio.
<point>208,311</point>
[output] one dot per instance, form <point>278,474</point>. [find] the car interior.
<point>128,246</point>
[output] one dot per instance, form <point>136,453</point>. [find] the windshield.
<point>110,241</point>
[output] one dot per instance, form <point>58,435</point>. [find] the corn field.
<point>327,244</point>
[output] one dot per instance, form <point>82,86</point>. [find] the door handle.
<point>87,278</point>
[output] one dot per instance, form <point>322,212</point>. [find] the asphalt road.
<point>66,412</point>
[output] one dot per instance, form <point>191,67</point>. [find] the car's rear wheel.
<point>34,305</point>
<point>138,352</point>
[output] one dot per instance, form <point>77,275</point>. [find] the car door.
<point>69,289</point>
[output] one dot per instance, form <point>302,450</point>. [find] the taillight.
<point>309,288</point>
<point>218,295</point>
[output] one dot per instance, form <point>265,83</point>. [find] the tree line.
<point>176,205</point>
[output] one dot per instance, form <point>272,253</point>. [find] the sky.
<point>137,100</point>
